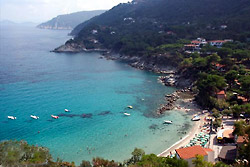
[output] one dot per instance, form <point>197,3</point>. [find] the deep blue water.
<point>34,80</point>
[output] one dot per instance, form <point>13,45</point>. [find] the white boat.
<point>196,118</point>
<point>54,116</point>
<point>66,110</point>
<point>11,117</point>
<point>130,107</point>
<point>127,114</point>
<point>34,117</point>
<point>168,122</point>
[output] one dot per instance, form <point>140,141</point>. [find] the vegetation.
<point>14,153</point>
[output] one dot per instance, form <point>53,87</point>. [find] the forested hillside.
<point>133,28</point>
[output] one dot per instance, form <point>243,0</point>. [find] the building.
<point>221,95</point>
<point>190,153</point>
<point>228,154</point>
<point>220,67</point>
<point>195,45</point>
<point>225,136</point>
<point>223,26</point>
<point>241,140</point>
<point>217,43</point>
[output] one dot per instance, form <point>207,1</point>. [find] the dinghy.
<point>54,116</point>
<point>168,122</point>
<point>127,114</point>
<point>34,117</point>
<point>11,117</point>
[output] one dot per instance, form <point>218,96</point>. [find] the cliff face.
<point>69,21</point>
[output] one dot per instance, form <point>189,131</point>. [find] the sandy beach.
<point>186,103</point>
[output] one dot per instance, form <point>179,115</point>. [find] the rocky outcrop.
<point>75,47</point>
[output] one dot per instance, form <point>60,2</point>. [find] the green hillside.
<point>132,28</point>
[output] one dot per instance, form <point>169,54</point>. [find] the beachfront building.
<point>225,136</point>
<point>190,153</point>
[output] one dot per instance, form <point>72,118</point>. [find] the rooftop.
<point>228,153</point>
<point>222,92</point>
<point>242,139</point>
<point>191,152</point>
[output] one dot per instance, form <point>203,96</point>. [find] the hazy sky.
<point>43,10</point>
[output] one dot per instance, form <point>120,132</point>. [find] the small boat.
<point>66,110</point>
<point>130,107</point>
<point>11,117</point>
<point>54,116</point>
<point>127,114</point>
<point>34,117</point>
<point>196,118</point>
<point>168,122</point>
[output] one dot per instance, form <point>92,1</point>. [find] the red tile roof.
<point>242,98</point>
<point>219,65</point>
<point>191,152</point>
<point>221,92</point>
<point>242,139</point>
<point>197,42</point>
<point>208,149</point>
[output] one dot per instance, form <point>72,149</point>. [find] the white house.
<point>217,43</point>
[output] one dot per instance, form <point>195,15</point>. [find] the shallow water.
<point>97,92</point>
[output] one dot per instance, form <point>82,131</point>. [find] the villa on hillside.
<point>190,153</point>
<point>217,43</point>
<point>197,44</point>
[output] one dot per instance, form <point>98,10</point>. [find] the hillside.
<point>69,21</point>
<point>137,27</point>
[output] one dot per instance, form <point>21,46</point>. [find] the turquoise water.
<point>97,91</point>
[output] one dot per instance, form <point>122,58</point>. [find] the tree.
<point>136,156</point>
<point>100,162</point>
<point>187,62</point>
<point>200,162</point>
<point>216,113</point>
<point>241,54</point>
<point>245,85</point>
<point>231,76</point>
<point>154,161</point>
<point>220,164</point>
<point>85,164</point>
<point>227,112</point>
<point>208,85</point>
<point>214,58</point>
<point>239,128</point>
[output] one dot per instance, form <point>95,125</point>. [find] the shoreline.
<point>196,128</point>
<point>135,62</point>
<point>182,142</point>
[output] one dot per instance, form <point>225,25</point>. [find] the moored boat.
<point>196,118</point>
<point>11,117</point>
<point>127,114</point>
<point>168,122</point>
<point>130,107</point>
<point>66,110</point>
<point>55,116</point>
<point>34,117</point>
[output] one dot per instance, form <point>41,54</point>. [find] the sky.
<point>42,10</point>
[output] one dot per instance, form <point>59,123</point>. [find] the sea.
<point>35,81</point>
